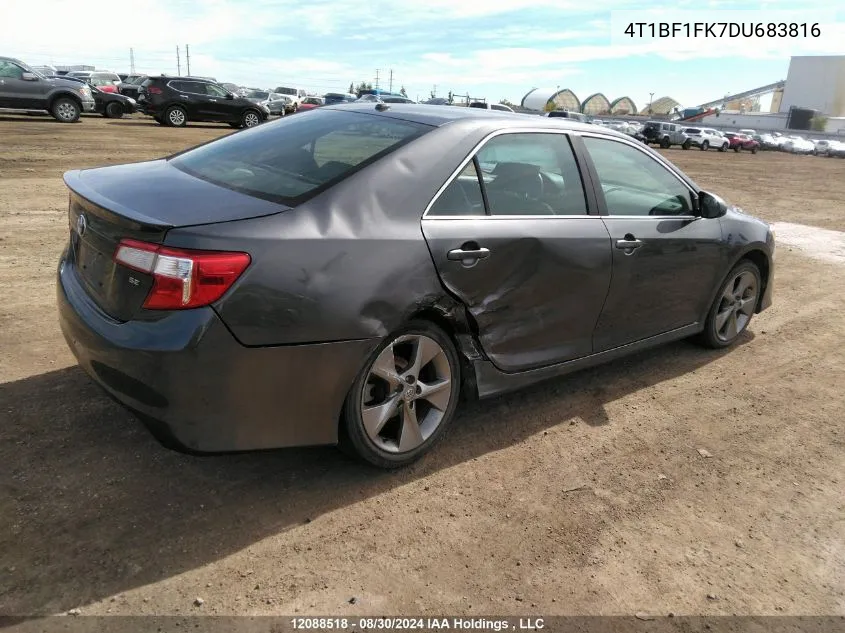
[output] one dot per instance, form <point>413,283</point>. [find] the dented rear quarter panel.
<point>350,263</point>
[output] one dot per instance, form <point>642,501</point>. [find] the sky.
<point>493,49</point>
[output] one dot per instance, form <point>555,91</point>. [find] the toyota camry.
<point>349,275</point>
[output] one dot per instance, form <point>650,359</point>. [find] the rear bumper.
<point>198,388</point>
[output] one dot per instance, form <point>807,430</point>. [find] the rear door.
<point>665,257</point>
<point>512,235</point>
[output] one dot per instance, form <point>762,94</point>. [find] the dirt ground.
<point>584,495</point>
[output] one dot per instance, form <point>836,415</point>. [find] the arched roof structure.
<point>596,104</point>
<point>663,105</point>
<point>539,98</point>
<point>623,105</point>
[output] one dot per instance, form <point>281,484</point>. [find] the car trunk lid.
<point>140,201</point>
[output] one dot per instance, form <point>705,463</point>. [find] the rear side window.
<point>462,197</point>
<point>293,159</point>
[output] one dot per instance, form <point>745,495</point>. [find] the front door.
<point>512,237</point>
<point>14,91</point>
<point>217,107</point>
<point>665,257</point>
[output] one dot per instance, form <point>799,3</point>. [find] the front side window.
<point>296,158</point>
<point>531,174</point>
<point>217,91</point>
<point>634,184</point>
<point>10,70</point>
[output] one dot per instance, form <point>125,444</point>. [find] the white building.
<point>816,82</point>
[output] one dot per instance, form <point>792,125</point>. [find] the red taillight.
<point>182,278</point>
<point>153,90</point>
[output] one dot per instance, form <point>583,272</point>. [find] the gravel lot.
<point>585,495</point>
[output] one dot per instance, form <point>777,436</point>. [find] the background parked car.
<point>309,103</point>
<point>798,145</point>
<point>331,98</point>
<point>174,101</point>
<point>274,102</point>
<point>821,146</point>
<point>112,105</point>
<point>836,149</point>
<point>665,134</point>
<point>740,142</point>
<point>705,138</point>
<point>24,89</point>
<point>88,75</point>
<point>131,85</point>
<point>766,141</point>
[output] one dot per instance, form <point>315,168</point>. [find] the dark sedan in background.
<point>346,275</point>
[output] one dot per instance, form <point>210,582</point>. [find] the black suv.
<point>176,100</point>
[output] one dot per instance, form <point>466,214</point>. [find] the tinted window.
<point>496,106</point>
<point>462,196</point>
<point>216,91</point>
<point>10,70</point>
<point>531,174</point>
<point>693,130</point>
<point>634,183</point>
<point>293,159</point>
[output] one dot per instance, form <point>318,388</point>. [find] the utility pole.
<point>390,89</point>
<point>178,62</point>
<point>188,59</point>
<point>377,70</point>
<point>132,61</point>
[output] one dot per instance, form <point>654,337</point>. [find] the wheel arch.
<point>59,94</point>
<point>759,258</point>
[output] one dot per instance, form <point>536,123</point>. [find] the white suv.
<point>705,138</point>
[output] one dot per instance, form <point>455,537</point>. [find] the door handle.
<point>629,243</point>
<point>213,100</point>
<point>468,254</point>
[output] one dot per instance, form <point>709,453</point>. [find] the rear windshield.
<point>692,130</point>
<point>295,158</point>
<point>258,94</point>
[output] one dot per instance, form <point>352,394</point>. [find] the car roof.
<point>438,115</point>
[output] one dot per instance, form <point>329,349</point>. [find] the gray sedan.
<point>347,275</point>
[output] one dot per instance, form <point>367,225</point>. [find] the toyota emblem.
<point>81,225</point>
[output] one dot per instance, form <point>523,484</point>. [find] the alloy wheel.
<point>406,393</point>
<point>66,111</point>
<point>251,119</point>
<point>736,306</point>
<point>176,117</point>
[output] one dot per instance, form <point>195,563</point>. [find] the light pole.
<point>650,100</point>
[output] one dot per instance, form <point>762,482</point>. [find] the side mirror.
<point>229,95</point>
<point>711,206</point>
<point>29,76</point>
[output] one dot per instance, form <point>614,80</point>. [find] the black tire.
<point>705,146</point>
<point>250,118</point>
<point>114,110</point>
<point>686,144</point>
<point>158,120</point>
<point>175,116</point>
<point>710,337</point>
<point>737,148</point>
<point>353,437</point>
<point>66,110</point>
<point>724,147</point>
<point>664,143</point>
<point>753,150</point>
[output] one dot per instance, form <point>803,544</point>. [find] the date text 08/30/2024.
<point>416,624</point>
<point>723,29</point>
